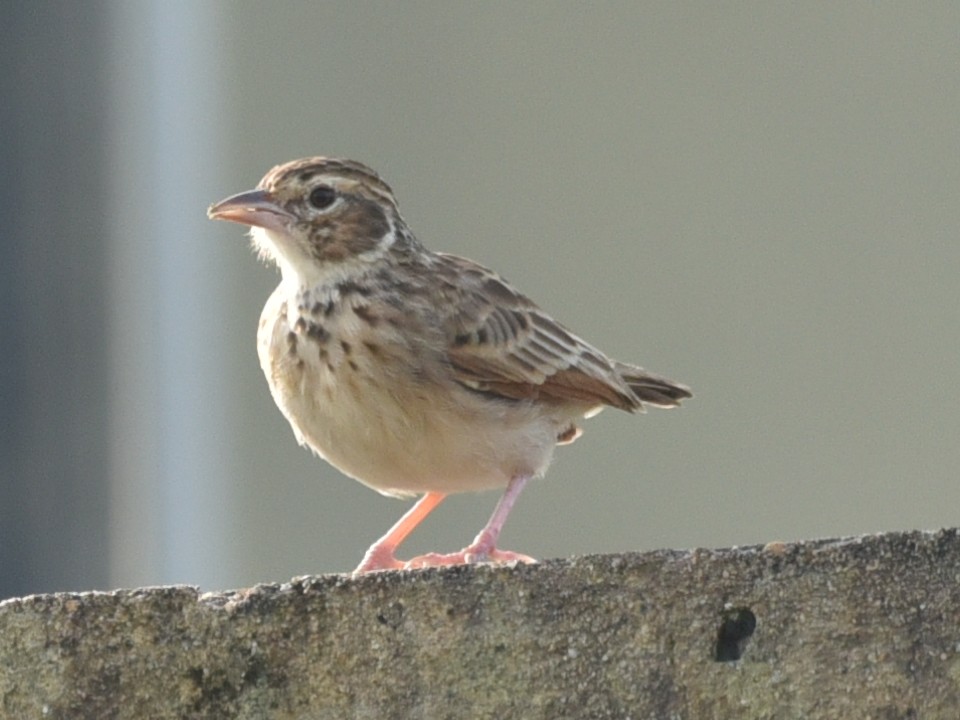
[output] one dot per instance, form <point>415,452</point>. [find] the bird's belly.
<point>397,428</point>
<point>407,442</point>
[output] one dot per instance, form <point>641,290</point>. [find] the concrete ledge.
<point>855,628</point>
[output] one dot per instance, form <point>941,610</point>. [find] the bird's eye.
<point>322,197</point>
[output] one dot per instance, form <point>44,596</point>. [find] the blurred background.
<point>760,200</point>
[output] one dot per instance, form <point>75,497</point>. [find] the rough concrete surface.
<point>855,628</point>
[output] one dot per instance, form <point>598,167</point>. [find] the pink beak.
<point>254,207</point>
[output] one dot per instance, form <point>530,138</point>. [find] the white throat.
<point>303,273</point>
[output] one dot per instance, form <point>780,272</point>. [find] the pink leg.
<point>381,555</point>
<point>484,546</point>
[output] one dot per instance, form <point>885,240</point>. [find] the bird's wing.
<point>500,342</point>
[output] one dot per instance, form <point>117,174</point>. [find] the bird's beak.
<point>254,207</point>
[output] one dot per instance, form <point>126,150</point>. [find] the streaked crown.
<point>293,181</point>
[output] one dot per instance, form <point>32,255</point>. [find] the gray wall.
<point>758,199</point>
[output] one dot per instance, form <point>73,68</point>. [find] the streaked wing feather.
<point>501,342</point>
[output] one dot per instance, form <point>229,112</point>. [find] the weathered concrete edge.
<point>870,622</point>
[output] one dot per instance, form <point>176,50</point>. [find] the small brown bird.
<point>410,370</point>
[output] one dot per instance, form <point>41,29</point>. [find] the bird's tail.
<point>652,389</point>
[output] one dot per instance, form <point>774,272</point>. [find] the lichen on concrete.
<point>861,627</point>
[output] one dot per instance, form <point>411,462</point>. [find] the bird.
<point>417,373</point>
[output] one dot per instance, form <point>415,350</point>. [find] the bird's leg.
<point>381,555</point>
<point>484,545</point>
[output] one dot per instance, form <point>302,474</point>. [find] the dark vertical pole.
<point>53,351</point>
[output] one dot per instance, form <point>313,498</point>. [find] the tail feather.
<point>652,389</point>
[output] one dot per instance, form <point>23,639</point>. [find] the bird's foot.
<point>379,558</point>
<point>481,550</point>
<point>466,557</point>
<point>382,559</point>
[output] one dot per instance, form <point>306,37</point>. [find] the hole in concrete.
<point>736,628</point>
<point>391,616</point>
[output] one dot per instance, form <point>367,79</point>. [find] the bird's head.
<point>316,217</point>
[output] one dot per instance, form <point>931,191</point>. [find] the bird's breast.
<point>382,409</point>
